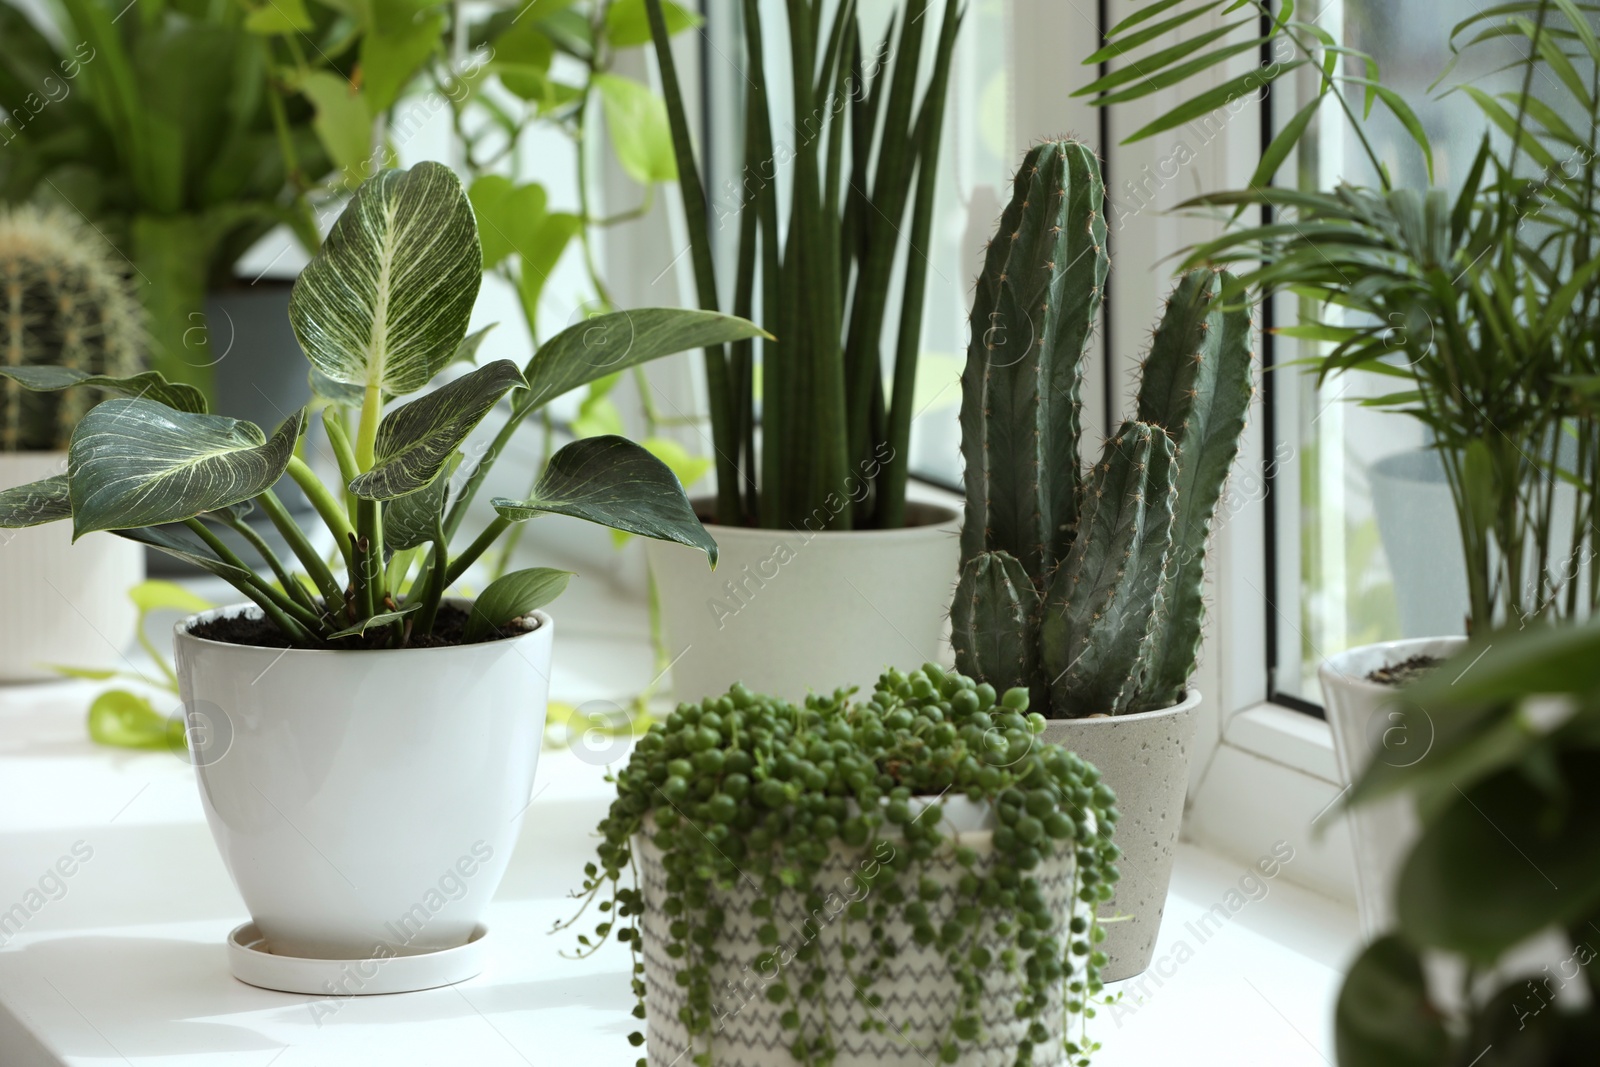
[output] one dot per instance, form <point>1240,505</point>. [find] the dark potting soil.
<point>450,628</point>
<point>1403,674</point>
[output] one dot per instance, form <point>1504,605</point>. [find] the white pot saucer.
<point>253,963</point>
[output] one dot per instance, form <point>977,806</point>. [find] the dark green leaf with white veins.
<point>614,482</point>
<point>513,596</point>
<point>386,301</point>
<point>148,384</point>
<point>36,503</point>
<point>416,440</point>
<point>606,344</point>
<point>418,518</point>
<point>138,463</point>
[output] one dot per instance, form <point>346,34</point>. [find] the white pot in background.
<point>917,990</point>
<point>790,611</point>
<point>1368,723</point>
<point>1416,518</point>
<point>63,603</point>
<point>1144,758</point>
<point>366,803</point>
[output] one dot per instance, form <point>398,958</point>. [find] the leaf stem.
<point>280,611</point>
<point>332,591</point>
<point>291,584</point>
<point>459,565</point>
<point>332,512</point>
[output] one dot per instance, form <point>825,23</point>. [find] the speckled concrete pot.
<point>1145,759</point>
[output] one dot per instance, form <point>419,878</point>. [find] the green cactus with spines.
<point>1034,312</point>
<point>63,303</point>
<point>1088,592</point>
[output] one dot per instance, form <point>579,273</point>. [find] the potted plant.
<point>1087,588</point>
<point>69,316</point>
<point>826,560</point>
<point>356,736</point>
<point>187,135</point>
<point>1478,303</point>
<point>907,880</point>
<point>1491,958</point>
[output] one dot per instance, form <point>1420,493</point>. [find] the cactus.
<point>1088,592</point>
<point>62,304</point>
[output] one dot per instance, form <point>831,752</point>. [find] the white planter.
<point>790,611</point>
<point>366,803</point>
<point>1368,723</point>
<point>1144,758</point>
<point>61,603</point>
<point>917,992</point>
<point>1417,521</point>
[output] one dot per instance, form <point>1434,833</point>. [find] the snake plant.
<point>1087,588</point>
<point>833,447</point>
<point>380,312</point>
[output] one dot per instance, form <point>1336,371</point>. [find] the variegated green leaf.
<point>148,384</point>
<point>417,518</point>
<point>137,463</point>
<point>415,440</point>
<point>614,482</point>
<point>606,344</point>
<point>513,596</point>
<point>386,301</point>
<point>383,619</point>
<point>36,503</point>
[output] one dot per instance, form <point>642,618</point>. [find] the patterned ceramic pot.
<point>919,996</point>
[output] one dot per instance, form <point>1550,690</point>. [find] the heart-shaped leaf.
<point>416,440</point>
<point>180,544</point>
<point>513,596</point>
<point>149,384</point>
<point>36,503</point>
<point>137,463</point>
<point>417,518</point>
<point>387,299</point>
<point>383,619</point>
<point>606,344</point>
<point>126,720</point>
<point>156,595</point>
<point>614,482</point>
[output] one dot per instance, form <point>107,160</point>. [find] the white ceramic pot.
<point>366,803</point>
<point>917,990</point>
<point>1144,758</point>
<point>61,603</point>
<point>790,611</point>
<point>1369,722</point>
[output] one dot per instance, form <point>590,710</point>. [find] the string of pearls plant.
<point>749,805</point>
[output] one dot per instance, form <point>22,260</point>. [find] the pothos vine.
<point>745,790</point>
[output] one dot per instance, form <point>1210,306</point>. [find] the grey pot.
<point>261,377</point>
<point>1145,759</point>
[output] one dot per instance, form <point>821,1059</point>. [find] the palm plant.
<point>834,453</point>
<point>380,311</point>
<point>1481,304</point>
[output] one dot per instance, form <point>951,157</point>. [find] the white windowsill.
<point>1285,736</point>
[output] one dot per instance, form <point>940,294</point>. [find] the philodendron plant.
<point>1087,590</point>
<point>380,311</point>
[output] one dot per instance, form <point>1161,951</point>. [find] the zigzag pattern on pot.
<point>917,993</point>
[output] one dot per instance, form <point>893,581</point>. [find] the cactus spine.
<point>62,304</point>
<point>1089,592</point>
